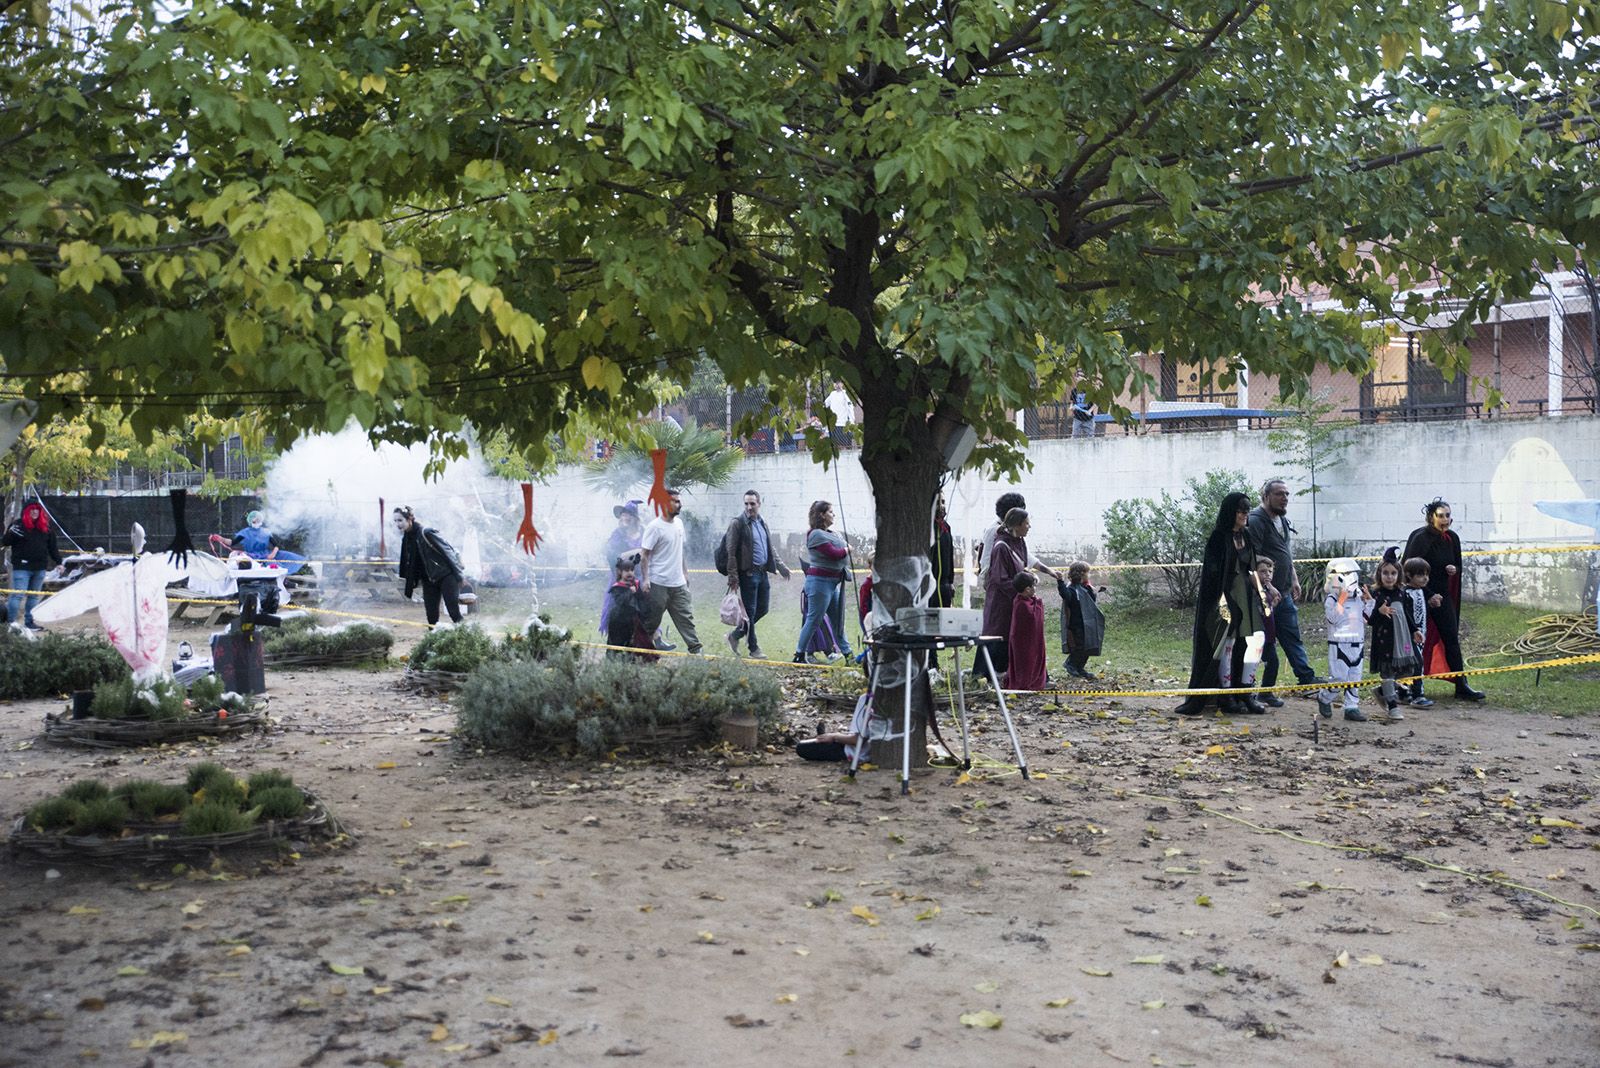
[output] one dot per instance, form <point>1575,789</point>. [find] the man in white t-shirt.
<point>844,415</point>
<point>663,578</point>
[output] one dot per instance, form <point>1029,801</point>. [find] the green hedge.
<point>464,648</point>
<point>567,704</point>
<point>303,638</point>
<point>52,664</point>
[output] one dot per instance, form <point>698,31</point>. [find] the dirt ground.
<point>1135,903</point>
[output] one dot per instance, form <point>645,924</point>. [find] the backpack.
<point>719,556</point>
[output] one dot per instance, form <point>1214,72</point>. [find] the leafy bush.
<point>262,781</point>
<point>210,801</point>
<point>209,693</point>
<point>52,663</point>
<point>1170,530</point>
<point>86,790</point>
<point>567,703</point>
<point>538,641</point>
<point>302,637</point>
<point>203,774</point>
<point>458,649</point>
<point>279,802</point>
<point>54,814</point>
<point>106,816</point>
<point>148,800</point>
<point>158,700</point>
<point>215,817</point>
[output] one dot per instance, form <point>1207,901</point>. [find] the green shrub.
<point>52,663</point>
<point>279,802</point>
<point>148,800</point>
<point>592,707</point>
<point>209,693</point>
<point>106,816</point>
<point>214,817</point>
<point>266,780</point>
<point>161,699</point>
<point>1171,531</point>
<point>458,649</point>
<point>86,790</point>
<point>203,773</point>
<point>537,641</point>
<point>302,637</point>
<point>55,814</point>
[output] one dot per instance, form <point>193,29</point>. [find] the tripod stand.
<point>894,643</point>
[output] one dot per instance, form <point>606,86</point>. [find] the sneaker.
<point>1272,700</point>
<point>733,641</point>
<point>1395,715</point>
<point>755,654</point>
<point>1355,715</point>
<point>1422,702</point>
<point>800,658</point>
<point>817,658</point>
<point>834,658</point>
<point>1325,707</point>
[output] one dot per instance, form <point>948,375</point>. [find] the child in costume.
<point>1265,569</point>
<point>1396,633</point>
<point>625,611</point>
<point>1083,626</point>
<point>1026,667</point>
<point>1417,575</point>
<point>1347,605</point>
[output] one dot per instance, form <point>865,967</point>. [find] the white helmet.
<point>1343,574</point>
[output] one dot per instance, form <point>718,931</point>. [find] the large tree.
<point>517,213</point>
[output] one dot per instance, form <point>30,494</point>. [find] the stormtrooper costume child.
<point>1347,606</point>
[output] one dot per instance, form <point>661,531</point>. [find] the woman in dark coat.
<point>1008,560</point>
<point>1227,581</point>
<point>427,560</point>
<point>1441,547</point>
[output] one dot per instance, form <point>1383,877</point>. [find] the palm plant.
<point>696,456</point>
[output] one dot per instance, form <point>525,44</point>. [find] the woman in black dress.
<point>1441,547</point>
<point>1229,608</point>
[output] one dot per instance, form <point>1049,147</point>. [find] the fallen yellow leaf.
<point>1371,958</point>
<point>347,969</point>
<point>494,1000</point>
<point>1147,1005</point>
<point>387,765</point>
<point>988,986</point>
<point>1555,821</point>
<point>1204,901</point>
<point>928,913</point>
<point>785,999</point>
<point>193,908</point>
<point>1099,972</point>
<point>381,990</point>
<point>454,1047</point>
<point>864,913</point>
<point>1059,1003</point>
<point>1154,958</point>
<point>440,1033</point>
<point>706,936</point>
<point>548,1037</point>
<point>83,910</point>
<point>131,970</point>
<point>1342,960</point>
<point>239,951</point>
<point>159,1039</point>
<point>985,1019</point>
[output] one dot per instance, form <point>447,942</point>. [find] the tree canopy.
<point>520,214</point>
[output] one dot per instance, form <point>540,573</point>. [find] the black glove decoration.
<point>180,547</point>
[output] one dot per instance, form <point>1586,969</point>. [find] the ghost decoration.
<point>132,601</point>
<point>1583,513</point>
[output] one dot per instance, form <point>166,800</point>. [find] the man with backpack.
<point>747,557</point>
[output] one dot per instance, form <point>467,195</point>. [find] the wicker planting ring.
<point>117,733</point>
<point>432,682</point>
<point>157,841</point>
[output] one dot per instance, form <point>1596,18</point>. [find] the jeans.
<point>836,617</point>
<point>673,601</point>
<point>1286,616</point>
<point>755,588</point>
<point>24,580</point>
<point>822,599</point>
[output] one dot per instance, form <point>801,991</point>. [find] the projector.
<point>940,622</point>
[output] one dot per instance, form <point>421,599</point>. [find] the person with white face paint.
<point>427,560</point>
<point>1440,546</point>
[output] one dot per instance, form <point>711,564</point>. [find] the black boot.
<point>1228,705</point>
<point>1194,705</point>
<point>1465,692</point>
<point>1249,706</point>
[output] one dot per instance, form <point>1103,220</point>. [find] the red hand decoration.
<point>528,537</point>
<point>658,490</point>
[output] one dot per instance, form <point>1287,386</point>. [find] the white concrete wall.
<point>1490,470</point>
